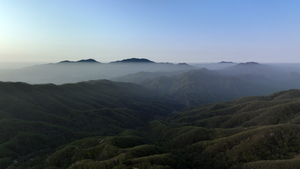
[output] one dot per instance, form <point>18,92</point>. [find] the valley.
<point>186,117</point>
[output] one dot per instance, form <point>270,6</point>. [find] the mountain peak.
<point>249,63</point>
<point>87,61</point>
<point>183,64</point>
<point>65,61</point>
<point>80,61</point>
<point>225,62</point>
<point>134,60</point>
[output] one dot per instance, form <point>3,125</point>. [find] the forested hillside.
<point>36,119</point>
<point>104,124</point>
<point>251,132</point>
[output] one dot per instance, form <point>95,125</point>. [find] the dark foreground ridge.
<point>103,124</point>
<point>36,119</point>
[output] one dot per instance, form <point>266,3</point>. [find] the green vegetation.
<point>103,124</point>
<point>36,119</point>
<point>251,132</point>
<point>127,151</point>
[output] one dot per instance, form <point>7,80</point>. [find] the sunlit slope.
<point>281,107</point>
<point>35,119</point>
<point>126,150</point>
<point>204,86</point>
<point>235,134</point>
<point>251,132</point>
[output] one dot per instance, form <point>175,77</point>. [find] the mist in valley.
<point>149,84</point>
<point>281,75</point>
<point>72,72</point>
<point>194,83</point>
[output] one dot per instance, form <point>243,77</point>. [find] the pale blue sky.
<point>160,30</point>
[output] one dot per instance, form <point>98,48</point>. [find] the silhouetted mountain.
<point>87,61</point>
<point>81,61</point>
<point>66,61</point>
<point>183,64</point>
<point>204,86</point>
<point>225,62</point>
<point>249,63</point>
<point>83,70</point>
<point>134,60</point>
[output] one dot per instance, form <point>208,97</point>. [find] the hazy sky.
<point>160,30</point>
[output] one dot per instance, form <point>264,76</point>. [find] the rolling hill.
<point>250,132</point>
<point>162,124</point>
<point>36,119</point>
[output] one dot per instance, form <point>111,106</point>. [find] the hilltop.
<point>226,62</point>
<point>134,60</point>
<point>80,61</point>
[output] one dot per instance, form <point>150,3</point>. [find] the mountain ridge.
<point>134,60</point>
<point>204,86</point>
<point>80,61</point>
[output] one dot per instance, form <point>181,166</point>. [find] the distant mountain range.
<point>83,70</point>
<point>168,119</point>
<point>205,86</point>
<point>181,81</point>
<point>255,68</point>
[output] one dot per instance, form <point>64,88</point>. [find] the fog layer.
<point>69,72</point>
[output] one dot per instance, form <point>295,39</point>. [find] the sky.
<point>191,31</point>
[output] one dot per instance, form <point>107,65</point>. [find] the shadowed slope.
<point>35,119</point>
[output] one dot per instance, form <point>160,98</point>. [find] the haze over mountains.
<point>188,84</point>
<point>229,82</point>
<point>136,113</point>
<point>83,70</point>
